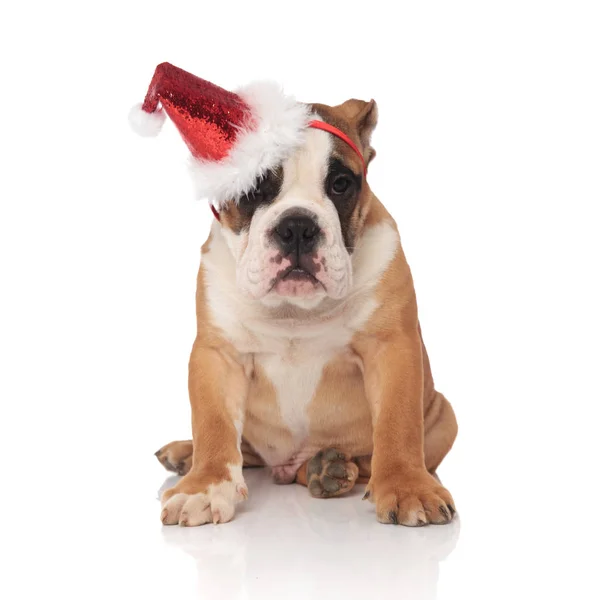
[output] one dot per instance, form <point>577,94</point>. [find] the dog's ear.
<point>363,116</point>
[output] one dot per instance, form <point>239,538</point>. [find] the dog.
<point>308,357</point>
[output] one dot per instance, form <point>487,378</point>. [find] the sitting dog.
<point>308,357</point>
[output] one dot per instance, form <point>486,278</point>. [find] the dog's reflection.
<point>285,543</point>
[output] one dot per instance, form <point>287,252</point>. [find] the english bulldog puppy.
<point>308,356</point>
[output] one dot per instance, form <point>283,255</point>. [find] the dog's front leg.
<point>402,489</point>
<point>218,387</point>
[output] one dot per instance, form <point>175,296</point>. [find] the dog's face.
<point>292,237</point>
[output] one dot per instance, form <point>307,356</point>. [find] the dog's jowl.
<point>308,356</point>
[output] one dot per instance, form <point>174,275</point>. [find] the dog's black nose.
<point>297,234</point>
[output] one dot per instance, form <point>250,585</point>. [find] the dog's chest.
<point>291,358</point>
<point>286,394</point>
<point>294,369</point>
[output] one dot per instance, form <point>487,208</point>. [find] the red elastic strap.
<point>337,132</point>
<point>215,212</point>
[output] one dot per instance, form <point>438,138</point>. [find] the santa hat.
<point>234,138</point>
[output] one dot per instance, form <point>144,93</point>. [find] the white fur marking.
<point>295,383</point>
<point>239,427</point>
<point>302,190</point>
<point>374,252</point>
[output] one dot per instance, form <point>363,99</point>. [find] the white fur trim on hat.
<point>144,123</point>
<point>279,127</point>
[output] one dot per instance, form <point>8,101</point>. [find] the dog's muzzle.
<point>297,237</point>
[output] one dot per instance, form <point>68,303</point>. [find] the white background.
<point>488,157</point>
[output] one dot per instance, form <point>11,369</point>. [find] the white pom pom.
<point>144,123</point>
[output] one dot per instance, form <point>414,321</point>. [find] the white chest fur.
<point>295,383</point>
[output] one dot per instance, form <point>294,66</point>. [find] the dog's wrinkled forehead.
<point>325,169</point>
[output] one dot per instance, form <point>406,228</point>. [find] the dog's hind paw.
<point>330,473</point>
<point>176,457</point>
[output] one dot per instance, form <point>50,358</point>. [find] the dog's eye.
<point>256,195</point>
<point>265,190</point>
<point>340,184</point>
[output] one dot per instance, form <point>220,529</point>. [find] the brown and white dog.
<point>308,357</point>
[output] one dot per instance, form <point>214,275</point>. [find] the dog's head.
<point>292,237</point>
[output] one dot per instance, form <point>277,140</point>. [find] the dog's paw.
<point>330,473</point>
<point>413,499</point>
<point>176,457</point>
<point>192,502</point>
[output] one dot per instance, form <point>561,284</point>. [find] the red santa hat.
<point>234,138</point>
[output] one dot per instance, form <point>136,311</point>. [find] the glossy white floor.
<point>77,541</point>
<point>286,544</point>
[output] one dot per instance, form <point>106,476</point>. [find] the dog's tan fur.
<point>375,400</point>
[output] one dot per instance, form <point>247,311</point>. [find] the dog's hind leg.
<point>177,456</point>
<point>329,473</point>
<point>439,419</point>
<point>440,431</point>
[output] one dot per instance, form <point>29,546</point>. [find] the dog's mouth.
<point>297,279</point>
<point>298,274</point>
